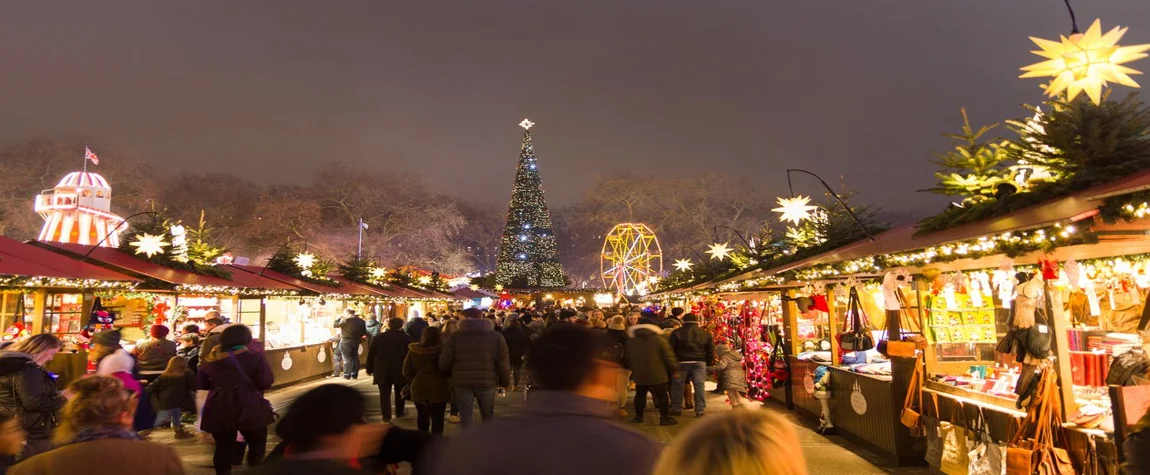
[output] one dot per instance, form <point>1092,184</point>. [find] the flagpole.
<point>359,248</point>
<point>85,158</point>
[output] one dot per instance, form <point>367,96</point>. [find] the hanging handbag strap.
<point>854,306</point>
<point>915,382</point>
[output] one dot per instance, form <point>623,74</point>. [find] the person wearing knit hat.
<point>153,354</point>
<point>617,338</point>
<point>112,360</point>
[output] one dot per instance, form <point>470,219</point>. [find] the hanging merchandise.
<point>1032,449</point>
<point>779,363</point>
<point>986,454</point>
<point>858,336</point>
<point>955,446</point>
<point>911,416</point>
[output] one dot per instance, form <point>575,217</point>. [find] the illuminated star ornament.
<point>149,245</point>
<point>304,261</point>
<point>1085,62</point>
<point>498,287</point>
<point>719,251</point>
<point>378,273</point>
<point>526,124</point>
<point>425,280</point>
<point>795,209</point>
<point>683,265</point>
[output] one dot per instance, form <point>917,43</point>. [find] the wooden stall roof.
<point>26,260</point>
<point>121,261</point>
<point>903,238</point>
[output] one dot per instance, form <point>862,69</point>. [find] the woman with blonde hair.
<point>29,391</point>
<point>760,442</point>
<point>96,431</point>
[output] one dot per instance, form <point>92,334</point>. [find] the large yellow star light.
<point>378,273</point>
<point>795,209</point>
<point>304,261</point>
<point>683,265</point>
<point>1085,62</point>
<point>149,245</point>
<point>425,280</point>
<point>719,251</point>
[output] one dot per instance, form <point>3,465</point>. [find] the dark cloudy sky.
<point>269,89</point>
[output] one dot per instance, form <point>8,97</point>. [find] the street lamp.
<point>115,230</point>
<point>833,194</point>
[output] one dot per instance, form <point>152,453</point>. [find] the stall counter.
<point>301,363</point>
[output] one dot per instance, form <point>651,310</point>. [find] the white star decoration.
<point>378,273</point>
<point>1085,62</point>
<point>794,209</point>
<point>526,124</point>
<point>149,245</point>
<point>719,251</point>
<point>424,280</point>
<point>304,261</point>
<point>683,265</point>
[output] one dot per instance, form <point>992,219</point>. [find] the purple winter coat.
<point>233,403</point>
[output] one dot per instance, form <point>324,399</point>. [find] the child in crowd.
<point>171,393</point>
<point>732,378</point>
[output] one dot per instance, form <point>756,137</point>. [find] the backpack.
<point>1126,366</point>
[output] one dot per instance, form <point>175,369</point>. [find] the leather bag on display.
<point>858,338</point>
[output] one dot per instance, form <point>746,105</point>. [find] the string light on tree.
<point>1085,62</point>
<point>149,245</point>
<point>719,251</point>
<point>683,265</point>
<point>794,209</point>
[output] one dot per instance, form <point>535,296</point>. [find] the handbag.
<point>264,415</point>
<point>858,338</point>
<point>955,446</point>
<point>986,455</point>
<point>1037,454</point>
<point>933,428</point>
<point>912,417</point>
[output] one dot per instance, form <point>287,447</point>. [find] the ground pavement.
<point>825,455</point>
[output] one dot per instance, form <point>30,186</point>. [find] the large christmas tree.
<point>528,255</point>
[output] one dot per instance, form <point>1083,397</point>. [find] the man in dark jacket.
<point>385,365</point>
<point>653,367</point>
<point>415,327</point>
<point>571,403</point>
<point>477,359</point>
<point>352,331</point>
<point>695,349</point>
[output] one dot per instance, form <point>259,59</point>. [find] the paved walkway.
<point>825,455</point>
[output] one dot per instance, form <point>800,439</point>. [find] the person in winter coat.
<point>29,391</point>
<point>518,339</point>
<point>352,331</point>
<point>213,326</point>
<point>171,393</point>
<point>373,326</point>
<point>324,432</point>
<point>477,359</point>
<point>733,379</point>
<point>430,389</point>
<point>385,365</point>
<point>153,354</point>
<point>565,428</point>
<point>111,360</point>
<point>190,350</point>
<point>653,367</point>
<point>95,436</point>
<point>695,349</point>
<point>616,348</point>
<point>415,327</point>
<point>236,378</point>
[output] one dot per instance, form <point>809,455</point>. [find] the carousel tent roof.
<point>75,179</point>
<point>20,259</point>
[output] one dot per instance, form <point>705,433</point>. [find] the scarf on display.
<point>89,434</point>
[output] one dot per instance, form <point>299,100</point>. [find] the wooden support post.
<point>264,320</point>
<point>833,322</point>
<point>39,304</point>
<point>790,321</point>
<point>1061,347</point>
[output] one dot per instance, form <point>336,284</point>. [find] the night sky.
<point>271,89</point>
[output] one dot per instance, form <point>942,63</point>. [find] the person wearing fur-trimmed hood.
<point>653,366</point>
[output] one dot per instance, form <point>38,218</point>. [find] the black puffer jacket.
<point>476,355</point>
<point>649,356</point>
<point>27,389</point>
<point>386,354</point>
<point>692,343</point>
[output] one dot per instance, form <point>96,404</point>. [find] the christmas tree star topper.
<point>794,209</point>
<point>526,124</point>
<point>719,251</point>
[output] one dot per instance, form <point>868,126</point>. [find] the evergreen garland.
<point>199,262</point>
<point>284,263</point>
<point>362,270</point>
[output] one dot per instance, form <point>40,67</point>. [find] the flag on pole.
<point>88,155</point>
<point>362,224</point>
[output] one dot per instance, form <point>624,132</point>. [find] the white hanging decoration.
<point>975,292</point>
<point>948,294</point>
<point>179,243</point>
<point>1073,273</point>
<point>890,284</point>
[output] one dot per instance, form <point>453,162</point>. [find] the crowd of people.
<point>575,367</point>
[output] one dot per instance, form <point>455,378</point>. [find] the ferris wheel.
<point>631,260</point>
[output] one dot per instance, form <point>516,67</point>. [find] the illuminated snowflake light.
<point>149,245</point>
<point>683,265</point>
<point>794,209</point>
<point>719,251</point>
<point>1085,62</point>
